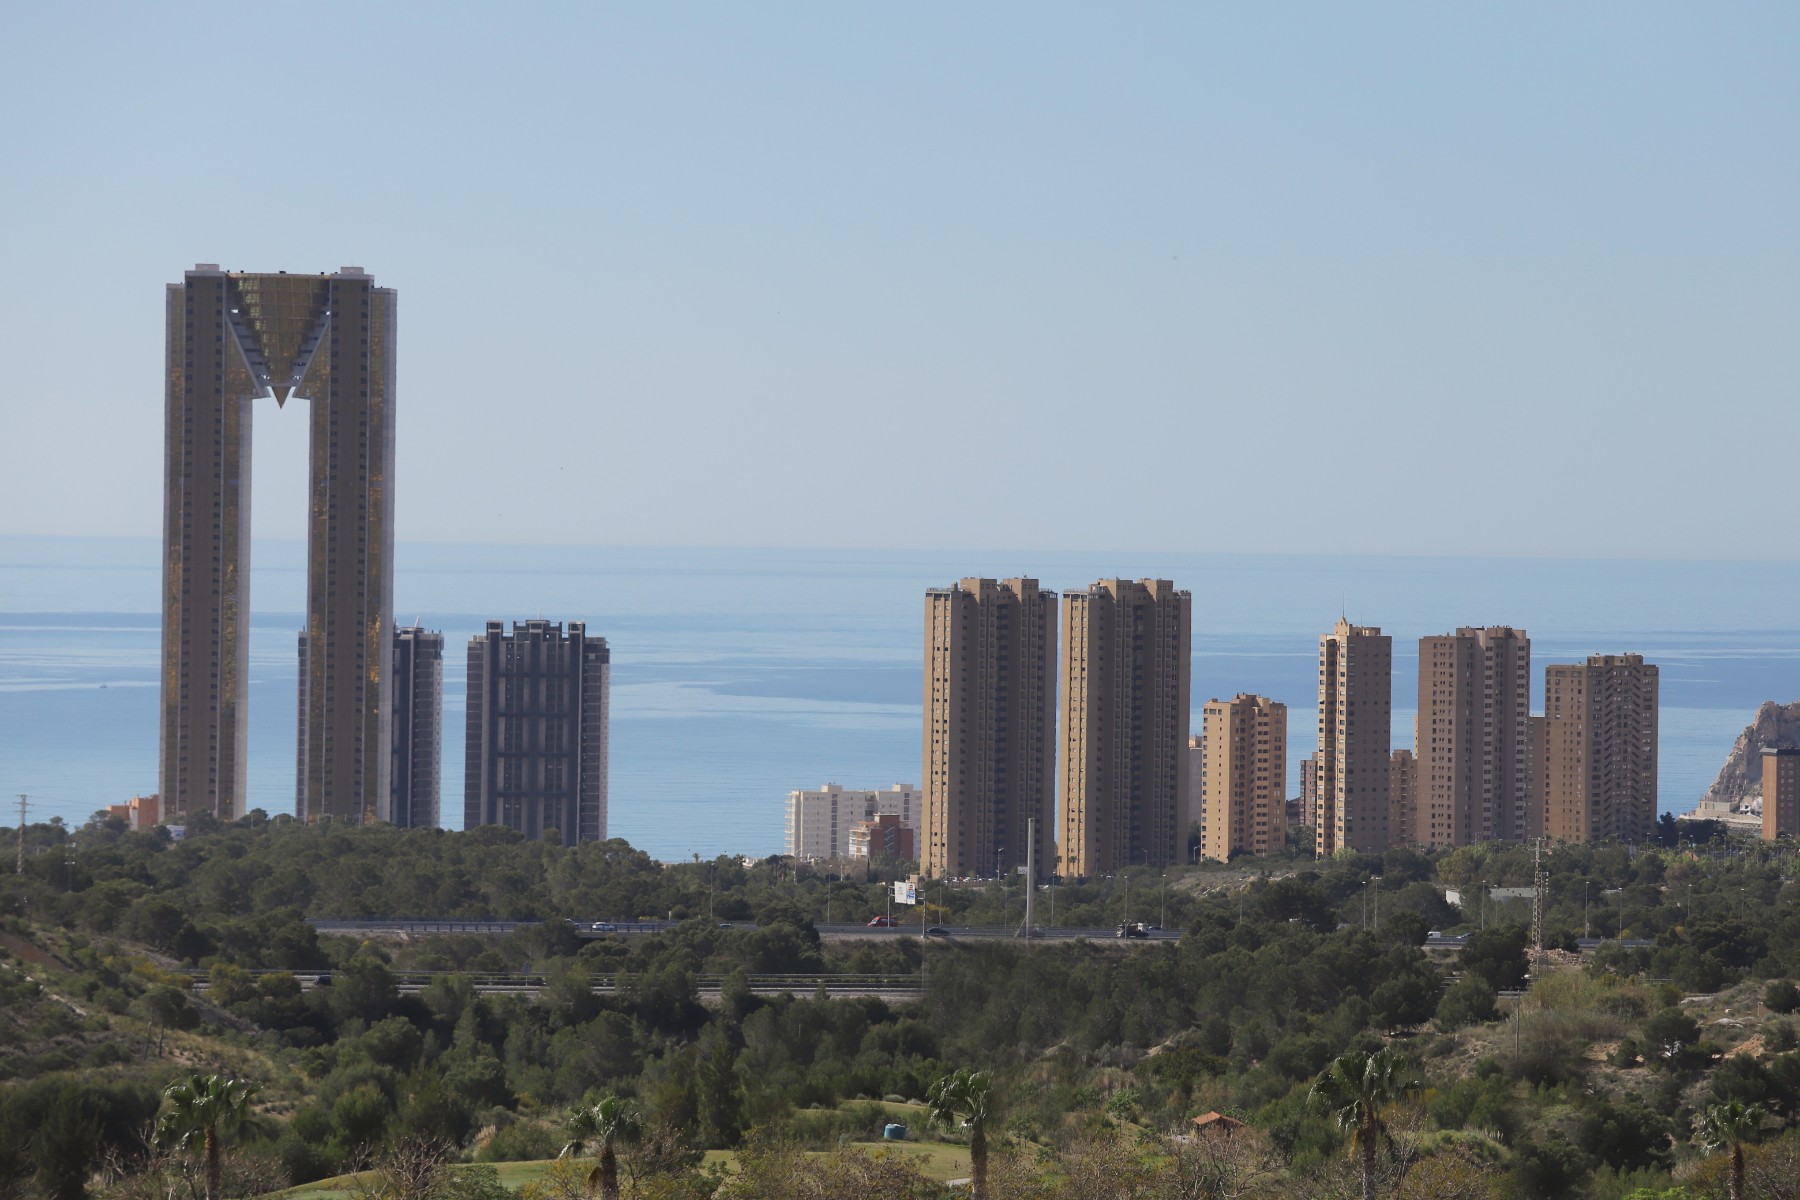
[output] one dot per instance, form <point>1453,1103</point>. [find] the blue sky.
<point>1404,278</point>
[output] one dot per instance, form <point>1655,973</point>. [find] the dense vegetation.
<point>1592,1085</point>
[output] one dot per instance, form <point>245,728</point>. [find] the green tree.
<point>1358,1090</point>
<point>608,1125</point>
<point>205,1110</point>
<point>1729,1127</point>
<point>966,1098</point>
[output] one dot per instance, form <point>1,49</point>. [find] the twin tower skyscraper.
<point>995,670</point>
<point>235,338</point>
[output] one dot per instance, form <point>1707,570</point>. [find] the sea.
<point>742,674</point>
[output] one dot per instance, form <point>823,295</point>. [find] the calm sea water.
<point>740,674</point>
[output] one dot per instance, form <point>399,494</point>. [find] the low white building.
<point>819,823</point>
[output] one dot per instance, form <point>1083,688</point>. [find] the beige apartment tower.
<point>233,339</point>
<point>1125,663</point>
<point>1473,738</point>
<point>1600,749</point>
<point>1780,792</point>
<point>990,727</point>
<point>1246,776</point>
<point>1356,698</point>
<point>1403,794</point>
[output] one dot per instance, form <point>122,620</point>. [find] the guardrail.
<point>611,984</point>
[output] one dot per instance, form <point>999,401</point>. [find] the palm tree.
<point>205,1109</point>
<point>966,1098</point>
<point>608,1125</point>
<point>1358,1089</point>
<point>1729,1127</point>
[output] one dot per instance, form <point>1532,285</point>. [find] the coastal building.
<point>1245,741</point>
<point>418,728</point>
<point>1599,751</point>
<point>140,812</point>
<point>232,339</point>
<point>1306,805</point>
<point>1192,821</point>
<point>1356,691</point>
<point>1125,664</point>
<point>1780,792</point>
<point>989,731</point>
<point>820,823</point>
<point>1403,795</point>
<point>882,837</point>
<point>536,746</point>
<point>1472,738</point>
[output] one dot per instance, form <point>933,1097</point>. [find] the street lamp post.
<point>1162,916</point>
<point>1584,908</point>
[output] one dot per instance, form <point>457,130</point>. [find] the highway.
<point>427,926</point>
<point>895,989</point>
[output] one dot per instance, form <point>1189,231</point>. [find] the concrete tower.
<point>235,338</point>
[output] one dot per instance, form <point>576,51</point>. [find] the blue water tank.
<point>894,1133</point>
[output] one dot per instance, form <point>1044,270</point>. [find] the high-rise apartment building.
<point>1309,791</point>
<point>1598,778</point>
<point>418,727</point>
<point>1191,822</point>
<point>537,730</point>
<point>1473,738</point>
<point>819,823</point>
<point>1356,694</point>
<point>234,338</point>
<point>990,727</point>
<point>1403,795</point>
<point>1245,740</point>
<point>1125,664</point>
<point>1780,792</point>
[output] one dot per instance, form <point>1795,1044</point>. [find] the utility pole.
<point>1030,875</point>
<point>1540,887</point>
<point>24,802</point>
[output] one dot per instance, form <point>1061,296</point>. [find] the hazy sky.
<point>1497,279</point>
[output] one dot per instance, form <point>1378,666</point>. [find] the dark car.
<point>937,931</point>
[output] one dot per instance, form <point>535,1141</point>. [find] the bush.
<point>1469,1001</point>
<point>521,1142</point>
<point>1781,996</point>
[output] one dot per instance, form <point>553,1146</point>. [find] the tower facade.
<point>990,727</point>
<point>536,746</point>
<point>1125,666</point>
<point>1350,773</point>
<point>234,338</point>
<point>1780,792</point>
<point>1600,749</point>
<point>1246,776</point>
<point>418,727</point>
<point>1473,738</point>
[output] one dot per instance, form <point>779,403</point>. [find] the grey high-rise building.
<point>418,727</point>
<point>235,338</point>
<point>537,743</point>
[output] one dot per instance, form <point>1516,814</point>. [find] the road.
<point>425,926</point>
<point>895,989</point>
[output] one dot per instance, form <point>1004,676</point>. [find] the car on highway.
<point>937,931</point>
<point>1131,929</point>
<point>603,927</point>
<point>882,923</point>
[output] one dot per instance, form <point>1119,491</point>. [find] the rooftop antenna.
<point>24,802</point>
